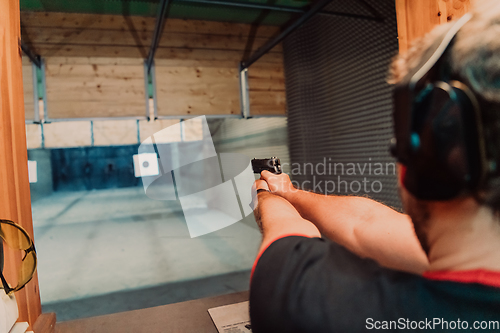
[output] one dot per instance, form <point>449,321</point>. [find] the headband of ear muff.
<point>438,133</point>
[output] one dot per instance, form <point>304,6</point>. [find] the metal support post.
<point>160,21</point>
<point>244,92</point>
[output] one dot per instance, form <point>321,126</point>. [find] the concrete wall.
<point>86,168</point>
<point>256,138</point>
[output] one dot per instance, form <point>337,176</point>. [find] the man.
<point>437,267</point>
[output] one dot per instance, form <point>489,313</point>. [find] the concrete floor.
<point>129,300</point>
<point>115,242</point>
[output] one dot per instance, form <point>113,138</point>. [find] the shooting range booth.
<point>84,83</point>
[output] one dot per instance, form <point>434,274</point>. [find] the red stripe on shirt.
<point>264,250</point>
<point>481,276</point>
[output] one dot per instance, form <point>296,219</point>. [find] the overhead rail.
<point>35,58</point>
<point>316,7</point>
<point>160,21</point>
<point>149,75</point>
<point>285,9</point>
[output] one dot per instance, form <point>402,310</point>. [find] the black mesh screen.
<point>339,104</point>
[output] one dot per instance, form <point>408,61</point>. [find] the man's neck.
<point>463,235</point>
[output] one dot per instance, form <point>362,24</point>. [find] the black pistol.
<point>270,164</point>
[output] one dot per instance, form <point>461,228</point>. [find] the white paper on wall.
<point>32,172</point>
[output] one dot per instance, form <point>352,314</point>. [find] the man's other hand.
<point>278,184</point>
<point>259,185</point>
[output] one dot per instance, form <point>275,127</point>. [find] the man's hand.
<point>275,216</point>
<point>278,184</point>
<point>259,185</point>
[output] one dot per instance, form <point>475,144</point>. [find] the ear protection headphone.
<point>438,130</point>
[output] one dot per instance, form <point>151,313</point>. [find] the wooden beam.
<point>15,203</point>
<point>402,25</point>
<point>416,18</point>
<point>46,323</point>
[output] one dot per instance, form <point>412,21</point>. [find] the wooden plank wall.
<point>93,60</point>
<point>29,107</point>
<point>210,90</point>
<point>94,87</point>
<point>416,18</point>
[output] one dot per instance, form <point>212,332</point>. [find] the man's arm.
<point>364,226</point>
<point>277,218</point>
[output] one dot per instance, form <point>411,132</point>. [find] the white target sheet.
<point>233,318</point>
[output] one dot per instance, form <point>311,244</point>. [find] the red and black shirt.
<point>302,284</point>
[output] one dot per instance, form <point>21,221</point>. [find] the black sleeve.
<point>305,284</point>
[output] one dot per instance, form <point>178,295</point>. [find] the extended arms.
<point>364,226</point>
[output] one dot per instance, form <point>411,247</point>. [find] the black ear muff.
<point>437,127</point>
<point>443,154</point>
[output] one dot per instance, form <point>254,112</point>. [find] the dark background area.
<point>83,169</point>
<point>339,104</point>
<point>93,168</point>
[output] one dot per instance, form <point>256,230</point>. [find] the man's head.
<point>473,57</point>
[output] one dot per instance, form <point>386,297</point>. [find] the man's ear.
<point>401,174</point>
